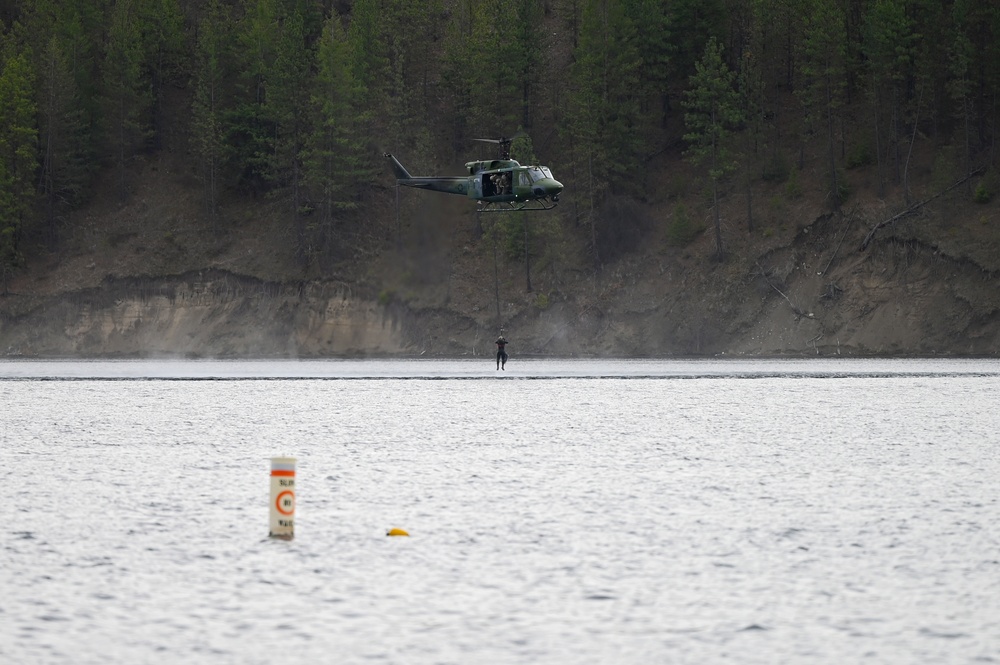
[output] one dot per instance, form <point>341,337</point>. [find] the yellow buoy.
<point>396,532</point>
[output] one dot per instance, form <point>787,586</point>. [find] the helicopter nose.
<point>553,188</point>
<point>549,187</point>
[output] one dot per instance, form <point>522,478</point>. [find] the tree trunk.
<point>527,257</point>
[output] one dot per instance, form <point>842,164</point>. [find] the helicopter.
<point>498,185</point>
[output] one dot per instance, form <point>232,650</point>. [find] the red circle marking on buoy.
<point>277,502</point>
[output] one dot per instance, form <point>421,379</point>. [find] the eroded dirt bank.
<point>816,296</point>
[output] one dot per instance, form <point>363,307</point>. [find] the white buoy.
<point>283,497</point>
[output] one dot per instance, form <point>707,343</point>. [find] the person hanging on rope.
<point>501,351</point>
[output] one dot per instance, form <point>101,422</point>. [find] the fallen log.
<point>916,206</point>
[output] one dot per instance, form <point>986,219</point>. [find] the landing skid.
<point>516,206</point>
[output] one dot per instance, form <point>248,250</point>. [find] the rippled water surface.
<point>570,512</point>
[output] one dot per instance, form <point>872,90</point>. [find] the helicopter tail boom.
<point>448,185</point>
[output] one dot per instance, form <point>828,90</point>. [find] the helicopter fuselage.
<point>497,184</point>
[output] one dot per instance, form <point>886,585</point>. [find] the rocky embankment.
<point>919,289</point>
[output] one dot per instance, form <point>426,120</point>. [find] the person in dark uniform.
<point>501,351</point>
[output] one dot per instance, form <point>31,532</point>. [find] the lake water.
<point>560,512</point>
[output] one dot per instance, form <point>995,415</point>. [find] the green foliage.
<point>288,86</point>
<point>946,164</point>
<point>843,187</point>
<point>18,152</point>
<point>712,111</point>
<point>208,109</point>
<point>693,24</point>
<point>512,230</point>
<point>333,164</point>
<point>491,68</point>
<point>65,137</point>
<point>522,150</point>
<point>823,68</point>
<point>681,229</point>
<point>162,25</point>
<point>860,154</point>
<point>604,102</point>
<point>248,127</point>
<point>987,187</point>
<point>127,89</point>
<point>656,49</point>
<point>287,101</point>
<point>889,39</point>
<point>793,186</point>
<point>542,301</point>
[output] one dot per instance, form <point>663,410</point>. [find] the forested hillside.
<point>687,121</point>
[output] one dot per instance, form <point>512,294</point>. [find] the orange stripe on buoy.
<point>280,472</point>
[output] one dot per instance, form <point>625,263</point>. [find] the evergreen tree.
<point>481,67</point>
<point>605,104</point>
<point>692,24</point>
<point>332,160</point>
<point>66,160</point>
<point>655,49</point>
<point>64,35</point>
<point>126,89</point>
<point>889,47</point>
<point>249,129</point>
<point>207,127</point>
<point>712,111</point>
<point>410,30</point>
<point>823,70</point>
<point>751,87</point>
<point>368,49</point>
<point>288,105</point>
<point>975,69</point>
<point>525,41</point>
<point>163,39</point>
<point>370,73</point>
<point>18,151</point>
<point>605,99</point>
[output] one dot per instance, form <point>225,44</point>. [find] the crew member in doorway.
<point>501,352</point>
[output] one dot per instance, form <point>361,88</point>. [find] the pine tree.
<point>288,86</point>
<point>655,49</point>
<point>126,88</point>
<point>18,152</point>
<point>207,127</point>
<point>605,105</point>
<point>712,111</point>
<point>751,87</point>
<point>824,73</point>
<point>66,165</point>
<point>889,47</point>
<point>332,157</point>
<point>162,26</point>
<point>249,130</point>
<point>409,30</point>
<point>605,81</point>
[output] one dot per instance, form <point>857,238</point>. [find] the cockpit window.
<point>538,173</point>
